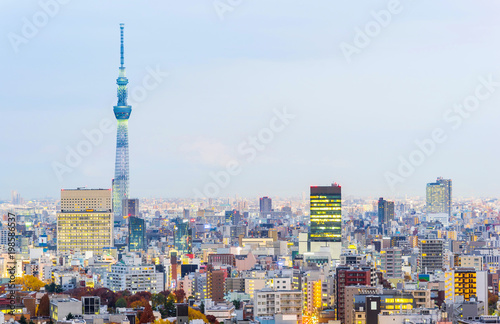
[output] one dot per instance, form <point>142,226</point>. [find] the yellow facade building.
<point>85,222</point>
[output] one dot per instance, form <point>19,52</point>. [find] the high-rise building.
<point>122,113</point>
<point>391,261</point>
<point>215,285</point>
<point>318,291</point>
<point>232,217</point>
<point>431,255</point>
<point>438,196</point>
<point>136,234</point>
<point>182,235</point>
<point>347,276</point>
<point>326,219</point>
<point>85,222</point>
<point>16,198</point>
<point>385,213</point>
<point>326,215</point>
<point>266,205</point>
<point>466,282</point>
<point>200,285</point>
<point>130,207</point>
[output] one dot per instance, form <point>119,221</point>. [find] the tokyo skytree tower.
<point>122,113</point>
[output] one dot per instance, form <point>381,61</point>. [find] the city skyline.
<point>288,162</point>
<point>187,140</point>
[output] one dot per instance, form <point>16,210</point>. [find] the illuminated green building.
<point>136,234</point>
<point>326,214</point>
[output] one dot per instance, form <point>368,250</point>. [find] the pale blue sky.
<point>225,77</point>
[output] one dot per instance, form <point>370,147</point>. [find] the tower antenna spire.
<point>122,26</point>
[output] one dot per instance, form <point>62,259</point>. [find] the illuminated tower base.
<point>120,183</point>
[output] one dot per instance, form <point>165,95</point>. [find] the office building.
<point>136,234</point>
<point>91,305</point>
<point>431,255</point>
<point>232,217</point>
<point>85,222</point>
<point>266,205</point>
<point>182,236</point>
<point>122,113</point>
<point>326,219</point>
<point>385,214</point>
<point>130,207</point>
<point>438,196</point>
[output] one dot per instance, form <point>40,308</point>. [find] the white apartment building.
<point>268,302</point>
<point>134,278</point>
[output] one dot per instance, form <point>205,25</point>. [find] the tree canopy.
<point>44,307</point>
<point>147,315</point>
<point>121,302</point>
<point>30,283</point>
<point>194,314</point>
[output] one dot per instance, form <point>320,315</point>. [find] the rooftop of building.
<point>64,300</point>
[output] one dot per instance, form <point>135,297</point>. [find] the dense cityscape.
<point>257,260</point>
<point>100,255</point>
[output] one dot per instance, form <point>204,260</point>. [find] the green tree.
<point>121,302</point>
<point>236,304</point>
<point>202,308</point>
<point>53,288</point>
<point>170,308</point>
<point>22,320</point>
<point>70,317</point>
<point>31,322</point>
<point>158,299</point>
<point>44,307</point>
